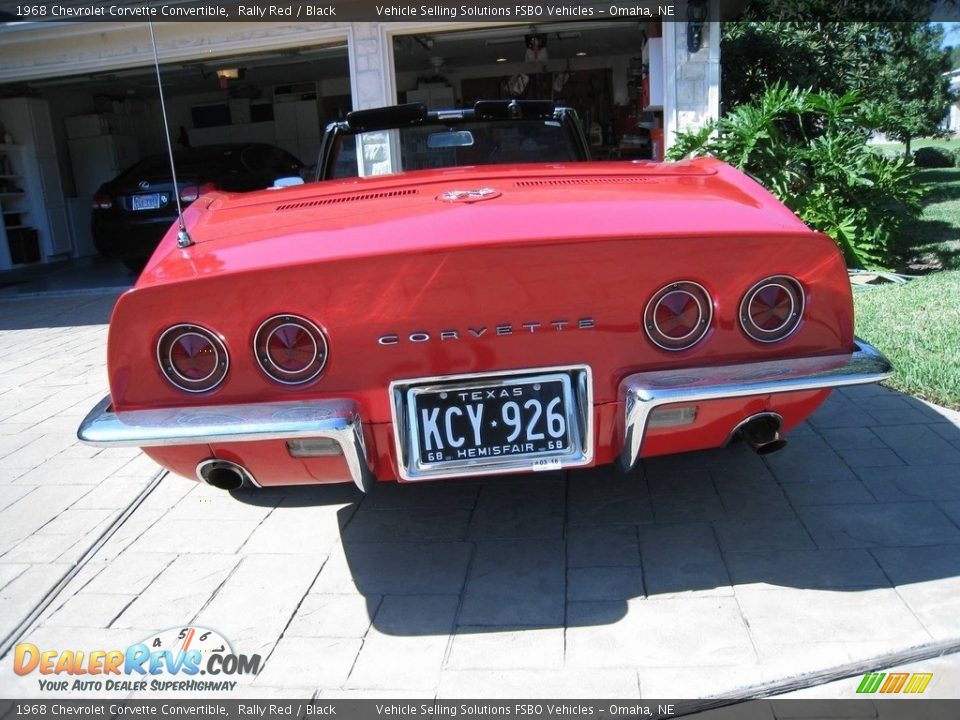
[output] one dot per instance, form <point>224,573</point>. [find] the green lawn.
<point>917,326</point>
<point>932,242</point>
<point>945,143</point>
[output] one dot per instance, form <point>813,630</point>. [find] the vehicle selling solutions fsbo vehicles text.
<point>523,10</point>
<point>455,11</point>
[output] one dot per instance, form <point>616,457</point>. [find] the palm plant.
<point>810,150</point>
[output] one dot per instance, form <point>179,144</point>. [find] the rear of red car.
<point>464,322</point>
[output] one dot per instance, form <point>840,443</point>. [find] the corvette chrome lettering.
<point>505,329</point>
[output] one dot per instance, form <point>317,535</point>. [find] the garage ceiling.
<point>482,47</point>
<point>413,53</point>
<point>262,70</point>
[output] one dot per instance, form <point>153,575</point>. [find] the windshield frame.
<point>449,120</point>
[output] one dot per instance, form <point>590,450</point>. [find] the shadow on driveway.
<point>865,497</point>
<point>27,313</point>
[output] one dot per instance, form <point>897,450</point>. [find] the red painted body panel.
<point>384,256</point>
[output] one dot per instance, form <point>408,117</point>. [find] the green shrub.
<point>810,150</point>
<point>933,157</point>
<point>956,157</point>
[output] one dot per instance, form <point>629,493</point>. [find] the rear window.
<point>426,147</point>
<point>149,167</point>
<point>194,161</point>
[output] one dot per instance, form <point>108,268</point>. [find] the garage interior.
<point>63,137</point>
<point>611,73</point>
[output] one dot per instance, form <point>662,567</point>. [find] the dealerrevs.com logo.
<point>178,659</point>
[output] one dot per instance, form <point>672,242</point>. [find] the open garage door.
<point>610,73</point>
<point>100,124</point>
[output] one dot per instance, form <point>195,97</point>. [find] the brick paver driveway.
<point>695,575</point>
<point>56,495</point>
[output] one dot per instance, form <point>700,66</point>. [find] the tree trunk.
<point>906,143</point>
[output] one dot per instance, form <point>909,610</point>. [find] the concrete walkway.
<point>693,576</point>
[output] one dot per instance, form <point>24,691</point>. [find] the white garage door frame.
<point>34,51</point>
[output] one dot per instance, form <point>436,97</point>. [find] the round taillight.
<point>678,315</point>
<point>772,309</point>
<point>290,349</point>
<point>192,358</point>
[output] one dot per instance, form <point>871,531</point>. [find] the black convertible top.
<point>416,115</point>
<point>412,114</point>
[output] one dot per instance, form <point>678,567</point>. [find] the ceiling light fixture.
<point>225,75</point>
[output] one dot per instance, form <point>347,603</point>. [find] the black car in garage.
<point>132,212</point>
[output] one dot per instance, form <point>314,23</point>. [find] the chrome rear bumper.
<point>337,420</point>
<point>642,393</point>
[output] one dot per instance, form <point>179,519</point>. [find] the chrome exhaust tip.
<point>224,474</point>
<point>770,447</point>
<point>762,432</point>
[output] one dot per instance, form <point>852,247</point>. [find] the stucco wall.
<point>371,66</point>
<point>692,86</point>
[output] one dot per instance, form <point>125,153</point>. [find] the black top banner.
<point>475,11</point>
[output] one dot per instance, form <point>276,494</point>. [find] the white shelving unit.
<point>34,200</point>
<point>18,237</point>
<point>298,129</point>
<point>434,96</point>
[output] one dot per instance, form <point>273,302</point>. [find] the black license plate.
<point>489,423</point>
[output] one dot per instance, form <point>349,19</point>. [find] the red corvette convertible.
<point>462,294</point>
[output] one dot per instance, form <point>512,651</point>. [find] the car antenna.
<point>183,237</point>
